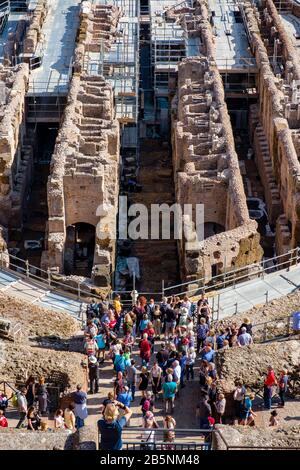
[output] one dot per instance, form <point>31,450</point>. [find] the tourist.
<point>248,414</point>
<point>202,331</point>
<point>148,436</point>
<point>132,378</point>
<point>93,368</point>
<point>144,380</point>
<point>3,420</point>
<point>100,339</point>
<point>147,403</point>
<point>157,322</point>
<point>207,353</point>
<point>69,418</point>
<point>246,324</point>
<point>31,390</point>
<point>244,339</point>
<point>59,422</point>
<point>155,379</point>
<point>119,384</point>
<point>91,346</point>
<point>169,390</point>
<point>90,329</point>
<point>151,336</point>
<point>150,309</point>
<point>42,396</point>
<point>283,386</point>
<point>204,410</point>
<point>212,371</point>
<point>269,383</point>
<point>33,419</point>
<point>211,339</point>
<point>170,322</point>
<point>162,357</point>
<point>220,405</point>
<point>169,422</point>
<point>120,362</point>
<point>22,406</point>
<point>128,323</point>
<point>273,418</point>
<point>203,308</point>
<point>221,337</point>
<point>145,350</point>
<point>238,397</point>
<point>80,411</point>
<point>3,401</point>
<point>143,324</point>
<point>190,362</point>
<point>107,401</point>
<point>110,427</point>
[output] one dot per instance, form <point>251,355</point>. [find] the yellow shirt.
<point>69,419</point>
<point>117,306</point>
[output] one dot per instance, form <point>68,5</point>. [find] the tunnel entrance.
<point>28,242</point>
<point>79,249</point>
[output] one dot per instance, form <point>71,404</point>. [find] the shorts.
<point>170,325</point>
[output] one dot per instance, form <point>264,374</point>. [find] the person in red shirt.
<point>145,350</point>
<point>151,333</point>
<point>269,383</point>
<point>3,420</point>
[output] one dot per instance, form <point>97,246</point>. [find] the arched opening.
<point>79,249</point>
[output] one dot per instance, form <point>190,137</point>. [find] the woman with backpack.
<point>147,403</point>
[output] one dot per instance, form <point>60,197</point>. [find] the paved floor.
<point>257,291</point>
<point>59,32</point>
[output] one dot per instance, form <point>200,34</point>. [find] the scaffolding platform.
<point>56,47</point>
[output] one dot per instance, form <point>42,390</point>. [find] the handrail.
<point>47,280</point>
<point>259,266</point>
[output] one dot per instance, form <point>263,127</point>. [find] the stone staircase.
<point>158,258</point>
<point>264,164</point>
<point>93,122</point>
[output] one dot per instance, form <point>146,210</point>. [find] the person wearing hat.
<point>111,426</point>
<point>93,374</point>
<point>246,324</point>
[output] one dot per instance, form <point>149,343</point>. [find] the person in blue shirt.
<point>100,339</point>
<point>120,362</point>
<point>182,363</point>
<point>125,397</point>
<point>221,338</point>
<point>111,426</point>
<point>207,354</point>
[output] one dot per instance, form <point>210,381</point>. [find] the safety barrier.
<point>156,439</point>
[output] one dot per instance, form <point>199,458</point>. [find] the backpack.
<point>146,406</point>
<point>14,400</point>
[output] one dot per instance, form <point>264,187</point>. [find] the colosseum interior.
<point>212,87</point>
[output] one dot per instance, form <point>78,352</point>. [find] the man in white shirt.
<point>244,339</point>
<point>22,406</point>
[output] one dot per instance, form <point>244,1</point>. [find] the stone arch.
<point>79,249</point>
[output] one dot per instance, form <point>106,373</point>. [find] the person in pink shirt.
<point>3,420</point>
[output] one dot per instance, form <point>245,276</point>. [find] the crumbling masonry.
<point>85,164</point>
<point>206,168</point>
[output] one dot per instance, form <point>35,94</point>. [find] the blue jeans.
<point>132,389</point>
<point>79,423</point>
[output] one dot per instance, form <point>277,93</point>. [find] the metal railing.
<point>156,439</point>
<point>46,279</point>
<point>238,275</point>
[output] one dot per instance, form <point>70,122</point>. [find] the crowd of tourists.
<point>152,348</point>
